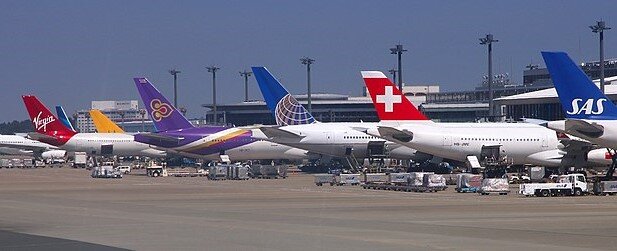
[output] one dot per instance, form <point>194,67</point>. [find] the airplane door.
<point>107,149</point>
<point>447,140</point>
<point>329,136</point>
<point>545,141</point>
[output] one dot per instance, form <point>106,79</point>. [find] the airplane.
<point>176,134</point>
<point>50,130</point>
<point>296,127</point>
<point>19,145</point>
<point>512,143</point>
<point>103,124</point>
<point>589,113</point>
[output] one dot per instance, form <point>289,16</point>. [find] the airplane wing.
<point>28,147</point>
<point>395,134</point>
<point>276,132</point>
<point>161,137</point>
<point>39,136</point>
<point>581,127</point>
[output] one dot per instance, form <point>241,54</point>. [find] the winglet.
<point>388,100</point>
<point>580,97</point>
<point>284,107</point>
<point>164,115</point>
<point>103,124</point>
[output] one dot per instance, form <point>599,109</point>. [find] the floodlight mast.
<point>489,40</point>
<point>308,61</point>
<point>212,69</point>
<point>246,74</point>
<point>398,51</point>
<point>175,72</point>
<point>600,27</point>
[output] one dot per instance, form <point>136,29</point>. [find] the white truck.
<point>80,160</point>
<point>571,184</point>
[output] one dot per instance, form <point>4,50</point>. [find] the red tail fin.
<point>44,121</point>
<point>388,100</point>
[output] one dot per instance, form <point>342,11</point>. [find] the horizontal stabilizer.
<point>395,134</point>
<point>161,137</point>
<point>276,132</point>
<point>576,126</point>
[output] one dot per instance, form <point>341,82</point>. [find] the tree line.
<point>16,127</point>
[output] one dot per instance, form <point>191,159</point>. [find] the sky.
<point>73,52</point>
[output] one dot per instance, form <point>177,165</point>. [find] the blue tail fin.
<point>580,97</point>
<point>284,107</point>
<point>164,115</point>
<point>63,118</point>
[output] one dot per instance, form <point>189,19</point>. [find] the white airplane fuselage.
<point>121,145</point>
<point>519,143</point>
<point>336,138</point>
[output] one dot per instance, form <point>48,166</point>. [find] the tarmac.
<point>66,209</point>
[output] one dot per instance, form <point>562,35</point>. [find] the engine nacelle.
<point>53,154</point>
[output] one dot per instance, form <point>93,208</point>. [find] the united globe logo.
<point>289,112</point>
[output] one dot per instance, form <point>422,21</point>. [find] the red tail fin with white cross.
<point>388,100</point>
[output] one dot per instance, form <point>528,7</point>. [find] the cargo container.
<point>218,172</point>
<point>348,179</point>
<point>466,182</point>
<point>324,178</point>
<point>537,173</point>
<point>241,172</point>
<point>375,178</point>
<point>417,178</point>
<point>605,187</point>
<point>435,181</point>
<point>495,185</point>
<point>399,178</point>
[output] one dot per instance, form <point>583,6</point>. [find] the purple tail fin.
<point>164,115</point>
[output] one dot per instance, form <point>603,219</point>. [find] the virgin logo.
<point>587,107</point>
<point>41,124</point>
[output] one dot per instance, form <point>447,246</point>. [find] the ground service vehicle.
<point>571,184</point>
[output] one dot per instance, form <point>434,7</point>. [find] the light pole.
<point>246,74</point>
<point>122,114</point>
<point>175,72</point>
<point>599,28</point>
<point>393,72</point>
<point>398,50</point>
<point>143,119</point>
<point>488,40</point>
<point>213,70</point>
<point>308,61</point>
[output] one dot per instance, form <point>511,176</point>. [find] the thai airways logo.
<point>160,110</point>
<point>289,112</point>
<point>41,123</point>
<point>389,99</point>
<point>589,107</point>
<point>143,81</point>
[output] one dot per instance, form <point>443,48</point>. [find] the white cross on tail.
<point>389,99</point>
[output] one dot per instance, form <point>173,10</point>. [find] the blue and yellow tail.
<point>284,107</point>
<point>580,97</point>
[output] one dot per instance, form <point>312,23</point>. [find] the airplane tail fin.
<point>284,107</point>
<point>580,98</point>
<point>103,124</point>
<point>63,118</point>
<point>43,120</point>
<point>161,111</point>
<point>388,100</point>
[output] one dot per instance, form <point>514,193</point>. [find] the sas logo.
<point>160,110</point>
<point>41,124</point>
<point>587,107</point>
